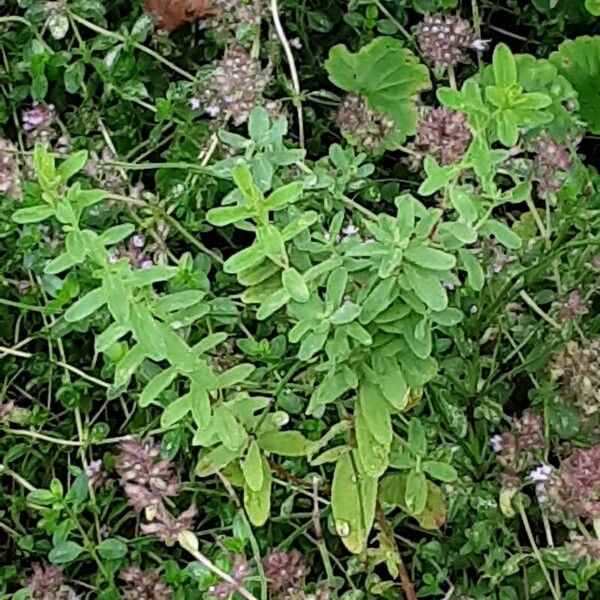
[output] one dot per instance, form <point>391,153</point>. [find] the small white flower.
<point>541,474</point>
<point>138,241</point>
<point>194,103</point>
<point>480,45</point>
<point>296,43</point>
<point>146,264</point>
<point>213,111</point>
<point>496,443</point>
<point>350,229</point>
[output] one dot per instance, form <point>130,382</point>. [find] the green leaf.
<point>294,284</point>
<point>178,353</point>
<point>258,123</point>
<point>148,332</point>
<point>311,344</point>
<point>86,305</point>
<point>578,61</point>
<point>74,75</point>
<point>60,263</point>
<point>379,298</point>
<point>336,287</point>
<point>201,407</point>
<point>508,238</point>
<point>503,64</point>
<point>461,231</point>
<point>440,471</point>
<point>116,296</point>
<point>209,342</point>
<point>243,179</point>
<point>298,225</point>
<point>430,258</point>
<point>42,497</point>
<point>72,165</point>
<point>244,259</point>
<point>393,491</point>
<point>155,274</point>
<point>593,7</point>
<point>258,504</point>
<point>229,431</point>
<point>33,214</point>
<point>156,386</point>
<point>393,385</point>
<point>216,460</point>
<point>416,493</point>
<point>225,215</point>
<point>273,303</point>
<point>475,274</point>
<point>178,300</point>
<point>284,195</point>
<point>387,74</point>
<point>234,376</point>
<point>353,502</point>
<point>111,549</point>
<point>285,443</point>
<point>375,412</point>
<point>64,553</point>
<point>417,442</point>
<point>345,314</point>
<point>259,274</point>
<point>449,317</point>
<point>127,366</point>
<point>272,244</point>
<point>252,467</point>
<point>75,245</point>
<point>438,177</point>
<point>506,128</point>
<point>374,456</point>
<point>176,411</point>
<point>116,234</point>
<point>427,287</point>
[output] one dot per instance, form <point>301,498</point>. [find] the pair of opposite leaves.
<point>171,14</point>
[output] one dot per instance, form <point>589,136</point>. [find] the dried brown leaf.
<point>172,14</point>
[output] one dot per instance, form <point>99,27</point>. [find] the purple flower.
<point>285,571</point>
<point>37,122</point>
<point>144,585</point>
<point>138,241</point>
<point>47,583</point>
<point>224,590</point>
<point>166,527</point>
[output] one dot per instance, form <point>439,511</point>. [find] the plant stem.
<point>405,581</point>
<point>44,437</point>
<point>393,20</point>
<point>293,72</point>
<point>533,305</point>
<point>125,40</point>
<point>452,77</point>
<point>220,573</point>
<point>20,480</point>
<point>536,551</point>
<point>4,350</point>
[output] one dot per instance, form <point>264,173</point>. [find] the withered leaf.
<point>172,14</point>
